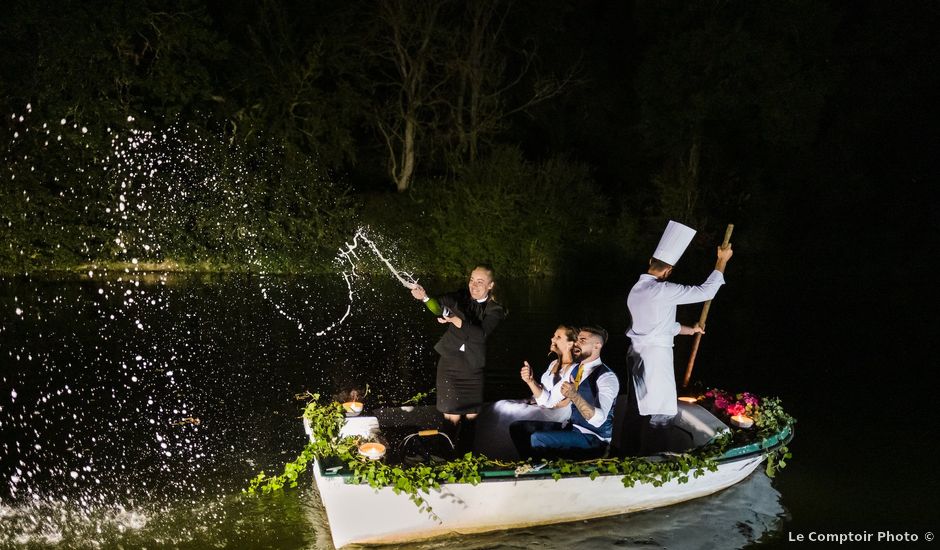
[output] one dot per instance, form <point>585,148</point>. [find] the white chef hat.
<point>675,240</point>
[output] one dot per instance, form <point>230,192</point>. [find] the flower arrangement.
<point>742,403</point>
<point>768,416</point>
<point>767,412</point>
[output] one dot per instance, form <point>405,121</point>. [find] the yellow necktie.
<point>577,377</point>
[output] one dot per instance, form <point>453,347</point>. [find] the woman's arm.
<point>529,379</point>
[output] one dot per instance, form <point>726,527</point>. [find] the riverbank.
<point>510,213</point>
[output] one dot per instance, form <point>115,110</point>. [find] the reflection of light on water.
<point>104,373</point>
<point>96,443</point>
<point>56,522</point>
<point>319,523</point>
<point>99,433</point>
<point>229,521</point>
<point>733,518</point>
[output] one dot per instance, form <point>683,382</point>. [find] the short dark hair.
<point>596,331</point>
<point>659,265</point>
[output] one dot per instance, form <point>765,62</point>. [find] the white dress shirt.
<point>551,392</point>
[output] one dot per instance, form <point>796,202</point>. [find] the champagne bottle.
<point>434,306</point>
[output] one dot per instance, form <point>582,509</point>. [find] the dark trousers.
<point>631,425</point>
<point>521,434</point>
<point>546,440</point>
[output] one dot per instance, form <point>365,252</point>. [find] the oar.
<point>701,320</point>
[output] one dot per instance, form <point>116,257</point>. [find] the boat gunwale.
<point>744,452</point>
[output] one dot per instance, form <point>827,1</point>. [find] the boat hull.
<point>359,514</point>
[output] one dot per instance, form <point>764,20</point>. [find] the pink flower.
<point>733,404</point>
<point>749,398</point>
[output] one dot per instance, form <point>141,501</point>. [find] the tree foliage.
<point>705,112</point>
<point>102,61</point>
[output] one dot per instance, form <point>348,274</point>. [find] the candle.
<point>688,399</point>
<point>372,451</point>
<point>352,408</point>
<point>742,421</point>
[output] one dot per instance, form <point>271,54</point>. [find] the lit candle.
<point>352,408</point>
<point>688,399</point>
<point>742,421</point>
<point>372,451</point>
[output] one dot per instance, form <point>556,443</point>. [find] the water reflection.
<point>134,408</point>
<point>734,518</point>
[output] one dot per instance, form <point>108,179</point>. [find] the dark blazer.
<point>479,320</point>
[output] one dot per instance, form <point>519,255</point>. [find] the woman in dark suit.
<point>470,314</point>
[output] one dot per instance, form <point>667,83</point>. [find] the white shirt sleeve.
<point>607,388</point>
<point>683,294</point>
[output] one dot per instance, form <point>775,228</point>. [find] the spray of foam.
<point>349,254</point>
<point>348,257</point>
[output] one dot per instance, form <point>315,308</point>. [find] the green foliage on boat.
<point>326,418</point>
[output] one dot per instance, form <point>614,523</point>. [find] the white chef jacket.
<point>551,392</point>
<point>652,305</point>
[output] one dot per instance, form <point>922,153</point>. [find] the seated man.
<point>592,390</point>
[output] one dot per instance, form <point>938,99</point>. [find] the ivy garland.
<point>326,419</point>
<point>768,414</point>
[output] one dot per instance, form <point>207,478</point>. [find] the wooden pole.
<point>701,320</point>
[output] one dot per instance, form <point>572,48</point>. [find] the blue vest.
<point>588,390</point>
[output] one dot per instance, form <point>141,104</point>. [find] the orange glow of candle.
<point>372,451</point>
<point>352,408</point>
<point>742,421</point>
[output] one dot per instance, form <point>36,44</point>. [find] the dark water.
<point>134,408</point>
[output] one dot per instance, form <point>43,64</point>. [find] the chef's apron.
<point>654,381</point>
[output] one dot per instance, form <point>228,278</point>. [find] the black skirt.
<point>459,387</point>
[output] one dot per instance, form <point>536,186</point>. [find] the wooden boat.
<point>506,499</point>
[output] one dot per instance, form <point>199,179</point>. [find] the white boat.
<point>505,499</point>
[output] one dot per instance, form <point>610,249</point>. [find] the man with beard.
<point>592,389</point>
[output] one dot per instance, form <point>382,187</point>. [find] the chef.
<point>652,303</point>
